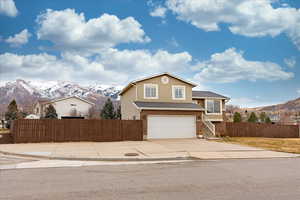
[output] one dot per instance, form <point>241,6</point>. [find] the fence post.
<point>299,129</point>
<point>13,131</point>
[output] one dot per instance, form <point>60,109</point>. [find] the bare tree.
<point>232,108</point>
<point>93,114</point>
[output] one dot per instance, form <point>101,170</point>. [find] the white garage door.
<point>169,126</point>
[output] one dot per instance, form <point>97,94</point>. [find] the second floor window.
<point>213,106</point>
<point>178,92</point>
<point>151,91</point>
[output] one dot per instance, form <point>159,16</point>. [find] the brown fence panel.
<point>245,129</point>
<point>75,130</point>
<point>6,138</point>
<point>130,128</point>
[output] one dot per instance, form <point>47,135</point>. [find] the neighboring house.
<point>73,106</point>
<point>169,108</point>
<point>32,116</point>
<point>275,118</point>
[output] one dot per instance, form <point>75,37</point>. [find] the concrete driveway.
<point>152,149</point>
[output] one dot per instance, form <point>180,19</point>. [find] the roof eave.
<point>226,98</point>
<point>61,99</point>
<point>181,109</point>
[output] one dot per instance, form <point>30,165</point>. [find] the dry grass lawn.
<point>289,145</point>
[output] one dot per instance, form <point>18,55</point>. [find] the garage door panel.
<point>171,126</point>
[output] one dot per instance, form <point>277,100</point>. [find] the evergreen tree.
<point>262,117</point>
<point>268,120</point>
<point>12,113</point>
<point>118,113</point>
<point>237,117</point>
<point>108,111</point>
<point>50,112</point>
<point>253,117</point>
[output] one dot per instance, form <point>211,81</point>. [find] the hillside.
<point>293,105</point>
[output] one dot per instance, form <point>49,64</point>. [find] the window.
<point>213,106</point>
<point>150,91</point>
<point>178,92</point>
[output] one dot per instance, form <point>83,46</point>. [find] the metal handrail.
<point>209,124</point>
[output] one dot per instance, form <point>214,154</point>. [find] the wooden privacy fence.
<point>67,130</point>
<point>246,129</point>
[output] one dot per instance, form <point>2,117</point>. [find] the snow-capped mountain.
<point>27,92</point>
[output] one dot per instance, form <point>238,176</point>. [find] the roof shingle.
<point>198,94</point>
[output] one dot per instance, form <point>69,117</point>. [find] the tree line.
<point>263,118</point>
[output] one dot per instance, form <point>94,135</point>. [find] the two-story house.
<point>170,108</point>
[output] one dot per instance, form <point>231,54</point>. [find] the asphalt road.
<point>225,179</point>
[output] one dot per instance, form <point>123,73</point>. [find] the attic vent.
<point>165,80</point>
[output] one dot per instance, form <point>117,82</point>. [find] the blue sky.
<point>248,50</point>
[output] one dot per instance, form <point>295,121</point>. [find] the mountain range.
<point>27,92</point>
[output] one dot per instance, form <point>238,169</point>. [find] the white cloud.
<point>48,67</point>
<point>252,18</point>
<point>114,66</point>
<point>144,62</point>
<point>231,66</point>
<point>159,11</point>
<point>8,7</point>
<point>298,91</point>
<point>18,39</point>
<point>111,67</point>
<point>290,62</point>
<point>70,31</point>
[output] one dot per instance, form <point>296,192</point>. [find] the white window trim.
<point>151,85</point>
<point>173,92</point>
<point>221,109</point>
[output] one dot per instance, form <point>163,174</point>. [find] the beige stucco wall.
<point>214,117</point>
<point>128,110</point>
<point>164,90</point>
<point>201,102</point>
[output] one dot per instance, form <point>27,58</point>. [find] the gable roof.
<point>154,76</point>
<point>43,101</point>
<point>205,94</point>
<point>76,97</point>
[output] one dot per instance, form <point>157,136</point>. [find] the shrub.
<point>253,118</point>
<point>12,113</point>
<point>237,117</point>
<point>108,111</point>
<point>50,112</point>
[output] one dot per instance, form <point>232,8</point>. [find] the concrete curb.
<point>101,159</point>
